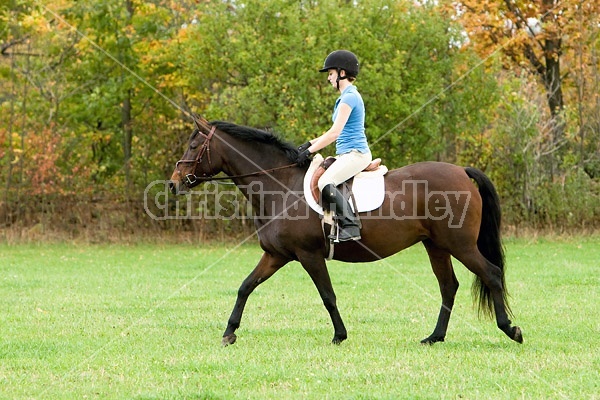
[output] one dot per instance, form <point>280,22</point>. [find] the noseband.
<point>191,179</point>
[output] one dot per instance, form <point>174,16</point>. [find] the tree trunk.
<point>127,138</point>
<point>10,153</point>
<point>552,80</point>
<point>126,119</point>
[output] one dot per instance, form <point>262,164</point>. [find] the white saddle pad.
<point>368,188</point>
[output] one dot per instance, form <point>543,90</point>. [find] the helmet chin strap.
<point>338,79</point>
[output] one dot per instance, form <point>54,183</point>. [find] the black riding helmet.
<point>341,59</point>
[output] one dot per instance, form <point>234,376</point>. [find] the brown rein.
<point>256,173</point>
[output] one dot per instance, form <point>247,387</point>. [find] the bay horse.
<point>454,217</point>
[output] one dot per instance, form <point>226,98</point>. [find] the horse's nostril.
<point>172,187</point>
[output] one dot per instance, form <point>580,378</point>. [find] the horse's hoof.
<point>431,340</point>
<point>228,339</point>
<point>517,335</point>
<point>338,340</point>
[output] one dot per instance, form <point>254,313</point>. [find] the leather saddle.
<point>314,187</point>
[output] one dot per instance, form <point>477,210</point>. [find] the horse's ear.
<point>200,121</point>
<point>196,121</point>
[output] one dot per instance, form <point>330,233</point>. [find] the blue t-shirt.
<point>353,135</point>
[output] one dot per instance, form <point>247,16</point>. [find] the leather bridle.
<point>191,180</point>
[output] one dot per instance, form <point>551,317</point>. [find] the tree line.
<point>96,96</point>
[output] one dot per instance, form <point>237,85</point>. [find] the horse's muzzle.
<point>174,187</point>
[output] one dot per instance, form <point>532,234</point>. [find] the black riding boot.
<point>334,200</point>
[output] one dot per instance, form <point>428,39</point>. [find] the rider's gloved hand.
<point>303,157</point>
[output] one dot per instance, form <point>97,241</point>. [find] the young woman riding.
<point>348,132</point>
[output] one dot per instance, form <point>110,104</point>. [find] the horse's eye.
<point>194,144</point>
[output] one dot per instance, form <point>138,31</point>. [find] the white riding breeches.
<point>345,167</point>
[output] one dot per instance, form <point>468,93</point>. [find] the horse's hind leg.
<point>266,267</point>
<point>442,268</point>
<point>491,275</point>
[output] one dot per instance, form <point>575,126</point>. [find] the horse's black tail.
<point>489,241</point>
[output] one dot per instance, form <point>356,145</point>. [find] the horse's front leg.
<point>317,269</point>
<point>267,266</point>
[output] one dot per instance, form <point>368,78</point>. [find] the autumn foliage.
<point>95,97</point>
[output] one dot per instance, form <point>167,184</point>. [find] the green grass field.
<point>145,322</point>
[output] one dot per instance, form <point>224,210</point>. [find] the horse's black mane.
<point>257,135</point>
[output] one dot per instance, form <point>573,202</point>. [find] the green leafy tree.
<point>258,66</point>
